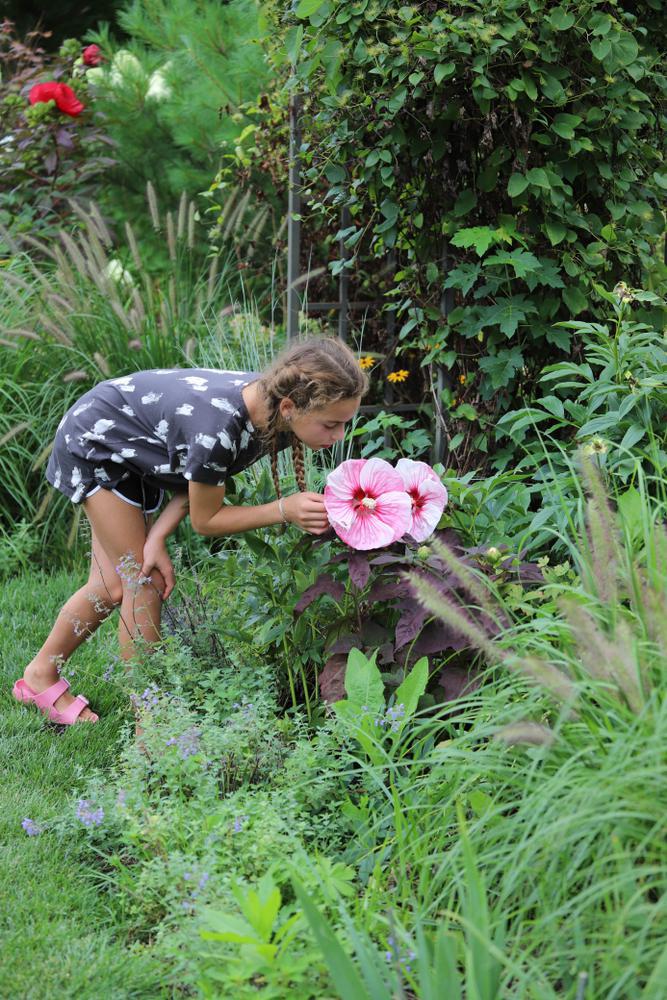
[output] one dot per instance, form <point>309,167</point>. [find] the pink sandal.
<point>45,701</point>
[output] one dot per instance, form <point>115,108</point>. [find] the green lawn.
<point>58,935</point>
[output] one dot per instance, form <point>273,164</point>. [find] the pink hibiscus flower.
<point>367,503</point>
<point>427,495</point>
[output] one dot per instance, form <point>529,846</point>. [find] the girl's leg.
<point>118,536</point>
<point>121,531</point>
<point>78,619</point>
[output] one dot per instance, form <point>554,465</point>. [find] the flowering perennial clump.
<point>188,743</point>
<point>147,700</point>
<point>30,827</point>
<point>88,815</point>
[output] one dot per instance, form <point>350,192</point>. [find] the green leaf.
<point>575,299</point>
<point>600,47</point>
<point>625,49</point>
<point>346,979</point>
<point>561,19</point>
<point>556,232</point>
<point>479,237</point>
<point>501,367</point>
<point>553,405</point>
<point>443,70</point>
<point>308,7</point>
<point>363,681</point>
<point>634,433</point>
<point>564,125</point>
<point>464,277</point>
<point>410,691</point>
<point>517,185</point>
<point>538,177</point>
<point>521,261</point>
<point>465,203</point>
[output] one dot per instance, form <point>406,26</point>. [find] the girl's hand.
<point>307,511</point>
<point>156,558</point>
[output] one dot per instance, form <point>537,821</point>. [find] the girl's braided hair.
<point>312,373</point>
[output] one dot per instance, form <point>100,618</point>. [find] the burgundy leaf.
<point>332,678</point>
<point>525,572</point>
<point>435,637</point>
<point>344,644</point>
<point>383,591</point>
<point>373,634</point>
<point>359,570</point>
<point>386,653</point>
<point>64,138</point>
<point>457,681</point>
<point>324,584</point>
<point>410,623</point>
<point>386,559</point>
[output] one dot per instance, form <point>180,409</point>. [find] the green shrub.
<point>47,157</point>
<point>508,154</point>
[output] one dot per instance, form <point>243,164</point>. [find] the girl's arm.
<point>209,517</point>
<point>169,519</point>
<point>156,556</point>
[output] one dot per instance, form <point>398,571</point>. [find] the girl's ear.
<point>287,409</point>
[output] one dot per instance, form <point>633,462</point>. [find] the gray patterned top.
<point>166,425</point>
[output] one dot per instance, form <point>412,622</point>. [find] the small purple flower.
<point>88,815</point>
<point>30,827</point>
<point>121,798</point>
<point>187,743</point>
<point>239,823</point>
<point>203,880</point>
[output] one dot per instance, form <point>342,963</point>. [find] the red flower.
<point>92,55</point>
<point>65,98</point>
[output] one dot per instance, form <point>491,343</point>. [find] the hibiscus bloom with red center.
<point>366,503</point>
<point>427,494</point>
<point>64,97</point>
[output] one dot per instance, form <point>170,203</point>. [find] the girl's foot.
<point>39,680</point>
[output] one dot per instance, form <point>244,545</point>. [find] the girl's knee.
<point>105,596</point>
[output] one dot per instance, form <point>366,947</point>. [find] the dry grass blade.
<point>454,616</point>
<point>604,541</point>
<point>171,236</point>
<point>182,216</point>
<point>153,206</point>
<point>609,659</point>
<point>545,675</point>
<point>102,363</point>
<point>191,226</point>
<point>14,431</point>
<point>531,733</point>
<point>134,247</point>
<point>465,575</point>
<point>55,331</point>
<point>42,457</point>
<point>19,332</point>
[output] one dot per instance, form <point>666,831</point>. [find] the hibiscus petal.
<point>395,510</point>
<point>414,473</point>
<point>378,476</point>
<point>340,510</point>
<point>367,531</point>
<point>344,481</point>
<point>425,517</point>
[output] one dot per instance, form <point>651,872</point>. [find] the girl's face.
<point>320,428</point>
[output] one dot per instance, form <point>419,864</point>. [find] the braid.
<point>274,467</point>
<point>298,463</point>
